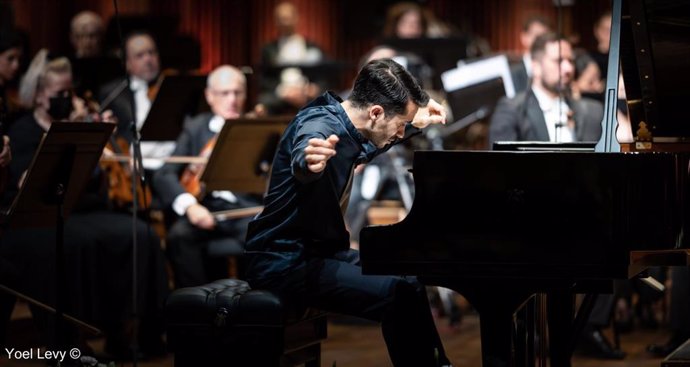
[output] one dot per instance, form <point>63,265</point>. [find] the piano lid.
<point>655,61</point>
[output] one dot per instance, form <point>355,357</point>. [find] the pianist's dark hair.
<point>539,45</point>
<point>386,83</point>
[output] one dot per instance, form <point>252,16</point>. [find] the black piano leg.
<point>496,307</point>
<point>560,313</point>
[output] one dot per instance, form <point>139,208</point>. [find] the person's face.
<point>409,25</point>
<point>602,32</point>
<point>547,71</point>
<point>227,98</point>
<point>589,81</point>
<point>385,129</point>
<point>87,40</point>
<point>534,30</point>
<point>9,64</point>
<point>142,58</point>
<point>56,85</point>
<point>286,19</point>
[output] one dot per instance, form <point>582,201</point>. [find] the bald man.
<point>188,238</point>
<point>86,34</point>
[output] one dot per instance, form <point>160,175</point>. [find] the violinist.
<point>98,241</point>
<point>143,68</point>
<point>188,237</point>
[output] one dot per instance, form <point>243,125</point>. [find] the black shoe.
<point>595,344</point>
<point>665,349</point>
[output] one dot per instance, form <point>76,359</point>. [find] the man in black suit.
<point>189,235</point>
<point>143,67</point>
<point>545,112</point>
<point>285,90</point>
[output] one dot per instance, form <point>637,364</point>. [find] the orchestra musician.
<point>547,112</point>
<point>10,53</point>
<point>143,68</point>
<point>98,241</point>
<point>299,247</point>
<point>188,238</point>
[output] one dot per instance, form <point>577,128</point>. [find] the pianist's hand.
<point>433,113</point>
<point>318,152</point>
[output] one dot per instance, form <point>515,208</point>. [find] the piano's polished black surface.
<point>504,215</point>
<point>500,226</point>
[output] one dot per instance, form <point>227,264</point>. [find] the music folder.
<point>67,155</point>
<point>242,156</point>
<point>178,96</point>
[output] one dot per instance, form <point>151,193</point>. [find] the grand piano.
<point>500,226</point>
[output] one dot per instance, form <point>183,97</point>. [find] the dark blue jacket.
<point>303,215</point>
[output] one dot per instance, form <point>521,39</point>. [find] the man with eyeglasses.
<point>188,238</point>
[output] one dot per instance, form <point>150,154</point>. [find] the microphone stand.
<point>137,176</point>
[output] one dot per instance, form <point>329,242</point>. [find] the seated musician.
<point>298,246</point>
<point>188,237</point>
<point>98,241</point>
<point>143,67</point>
<point>533,115</point>
<point>284,91</point>
<point>543,114</point>
<point>10,52</point>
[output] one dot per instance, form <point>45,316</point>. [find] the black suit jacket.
<point>521,119</point>
<point>166,181</point>
<point>194,137</point>
<point>121,106</point>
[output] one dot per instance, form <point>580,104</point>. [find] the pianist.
<point>298,246</point>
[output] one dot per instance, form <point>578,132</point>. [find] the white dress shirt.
<point>556,113</point>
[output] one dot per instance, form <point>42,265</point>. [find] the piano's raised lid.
<point>655,60</point>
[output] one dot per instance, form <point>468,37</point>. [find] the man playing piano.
<point>298,246</point>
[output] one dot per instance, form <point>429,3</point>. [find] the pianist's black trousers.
<point>336,284</point>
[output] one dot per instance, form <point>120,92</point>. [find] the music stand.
<point>440,54</point>
<point>59,171</point>
<point>177,97</point>
<point>242,156</point>
<point>473,89</point>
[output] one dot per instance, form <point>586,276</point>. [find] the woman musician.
<point>189,236</point>
<point>98,241</point>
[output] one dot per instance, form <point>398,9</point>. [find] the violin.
<point>120,177</point>
<point>119,171</point>
<point>191,176</point>
<point>155,87</point>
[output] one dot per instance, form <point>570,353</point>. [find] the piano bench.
<point>679,357</point>
<point>225,323</point>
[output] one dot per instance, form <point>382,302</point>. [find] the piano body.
<point>500,226</point>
